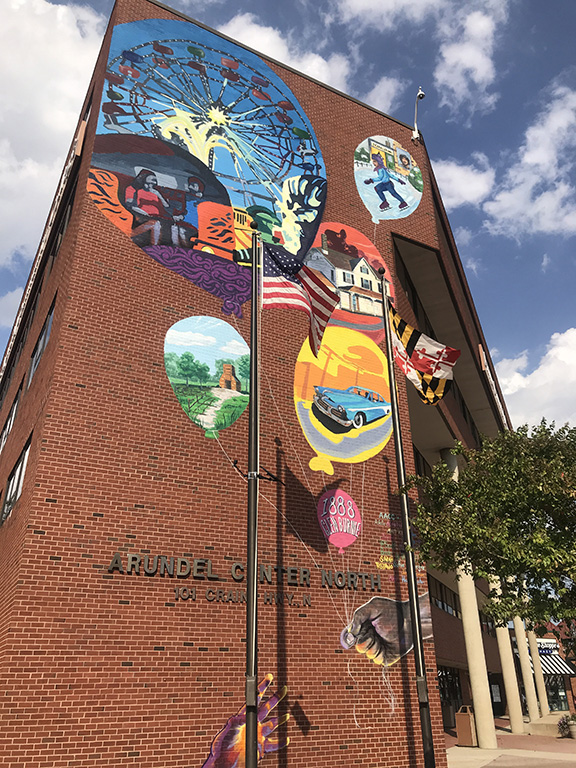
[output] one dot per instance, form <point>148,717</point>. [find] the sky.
<point>498,120</point>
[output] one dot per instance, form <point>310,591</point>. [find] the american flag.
<point>288,283</point>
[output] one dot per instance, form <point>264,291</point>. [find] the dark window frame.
<point>41,343</point>
<point>444,598</point>
<point>15,483</point>
<point>10,419</point>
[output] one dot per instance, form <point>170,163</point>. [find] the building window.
<point>422,467</point>
<point>450,690</point>
<point>487,624</point>
<point>10,420</point>
<point>366,283</point>
<point>15,481</point>
<point>365,270</point>
<point>60,225</point>
<point>449,686</point>
<point>443,597</point>
<point>41,343</point>
<point>348,277</point>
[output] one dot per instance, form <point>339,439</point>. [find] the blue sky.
<point>499,121</point>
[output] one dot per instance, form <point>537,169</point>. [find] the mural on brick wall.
<point>339,518</point>
<point>351,263</point>
<point>228,749</point>
<point>387,178</point>
<point>381,629</point>
<point>342,398</point>
<point>197,138</point>
<point>208,365</point>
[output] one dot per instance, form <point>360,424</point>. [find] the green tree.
<point>171,364</point>
<point>512,515</point>
<point>201,372</point>
<point>243,369</point>
<point>361,155</point>
<point>187,366</point>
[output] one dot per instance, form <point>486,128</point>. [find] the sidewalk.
<point>514,751</point>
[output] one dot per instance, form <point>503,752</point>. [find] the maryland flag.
<point>425,362</point>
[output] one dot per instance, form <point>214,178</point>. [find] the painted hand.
<point>382,630</point>
<point>368,181</point>
<point>228,749</point>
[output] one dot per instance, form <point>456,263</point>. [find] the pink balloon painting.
<point>339,518</point>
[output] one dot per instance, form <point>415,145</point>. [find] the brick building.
<point>123,506</point>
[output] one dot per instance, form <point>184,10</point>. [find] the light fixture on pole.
<point>419,96</point>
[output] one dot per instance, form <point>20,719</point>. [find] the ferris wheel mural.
<point>234,115</point>
<point>197,138</point>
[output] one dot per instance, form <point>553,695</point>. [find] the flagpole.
<point>252,523</point>
<point>421,684</point>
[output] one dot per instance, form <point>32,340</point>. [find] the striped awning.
<point>550,660</point>
<point>554,664</point>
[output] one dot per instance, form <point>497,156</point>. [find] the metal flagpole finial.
<point>385,283</point>
<point>416,133</point>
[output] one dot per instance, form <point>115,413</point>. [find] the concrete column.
<point>476,662</point>
<point>527,677</point>
<point>510,680</point>
<point>538,674</point>
<point>509,673</point>
<point>483,714</point>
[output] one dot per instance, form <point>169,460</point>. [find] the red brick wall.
<point>104,668</point>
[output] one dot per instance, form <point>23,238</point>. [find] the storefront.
<point>557,673</point>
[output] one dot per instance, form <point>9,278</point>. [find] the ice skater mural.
<point>342,398</point>
<point>208,363</point>
<point>387,178</point>
<point>197,138</point>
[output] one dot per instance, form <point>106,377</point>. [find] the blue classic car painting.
<point>354,406</point>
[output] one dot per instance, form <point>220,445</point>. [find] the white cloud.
<point>510,373</point>
<point>467,35</point>
<point>387,14</point>
<point>473,265</point>
<point>538,193</point>
<point>465,69</point>
<point>27,188</point>
<point>464,184</point>
<point>55,47</point>
<point>463,236</point>
<point>386,93</point>
<point>189,339</point>
<point>244,27</point>
<point>9,304</point>
<point>234,347</point>
<point>548,391</point>
<point>546,260</point>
